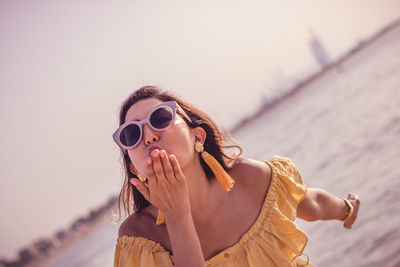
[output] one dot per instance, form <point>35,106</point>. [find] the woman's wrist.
<point>349,210</point>
<point>184,240</point>
<point>177,217</point>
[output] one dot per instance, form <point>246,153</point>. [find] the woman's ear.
<point>200,134</point>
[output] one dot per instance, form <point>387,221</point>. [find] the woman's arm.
<point>185,242</point>
<point>319,204</point>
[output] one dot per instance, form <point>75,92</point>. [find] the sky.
<point>66,66</point>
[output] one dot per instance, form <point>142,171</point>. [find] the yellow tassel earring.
<point>160,216</point>
<point>222,176</point>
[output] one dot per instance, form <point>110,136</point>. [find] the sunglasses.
<point>160,118</point>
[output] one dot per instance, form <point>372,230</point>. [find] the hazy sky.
<point>65,68</point>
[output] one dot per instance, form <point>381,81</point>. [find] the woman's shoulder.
<point>143,224</point>
<point>132,225</point>
<point>252,174</point>
<point>139,224</point>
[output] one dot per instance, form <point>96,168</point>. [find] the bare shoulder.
<point>143,224</point>
<point>130,225</point>
<point>136,224</point>
<point>252,174</point>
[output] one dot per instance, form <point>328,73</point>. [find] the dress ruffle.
<point>140,251</point>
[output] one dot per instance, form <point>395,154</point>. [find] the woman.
<point>195,204</point>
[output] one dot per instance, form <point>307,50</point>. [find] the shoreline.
<point>46,248</point>
<point>270,104</point>
<point>68,243</point>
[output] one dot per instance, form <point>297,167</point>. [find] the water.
<point>96,249</point>
<point>342,131</point>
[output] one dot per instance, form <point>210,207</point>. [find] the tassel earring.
<point>222,176</point>
<point>160,216</point>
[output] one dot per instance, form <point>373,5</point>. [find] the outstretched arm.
<point>319,204</point>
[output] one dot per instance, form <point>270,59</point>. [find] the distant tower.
<point>318,50</point>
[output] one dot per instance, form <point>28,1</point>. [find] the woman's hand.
<point>167,187</point>
<point>355,201</point>
<point>168,191</point>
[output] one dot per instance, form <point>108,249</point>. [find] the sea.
<point>341,128</point>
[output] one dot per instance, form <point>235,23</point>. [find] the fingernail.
<point>135,183</point>
<point>171,157</point>
<point>162,153</point>
<point>148,161</point>
<point>156,153</point>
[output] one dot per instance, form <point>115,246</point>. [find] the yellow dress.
<point>273,240</point>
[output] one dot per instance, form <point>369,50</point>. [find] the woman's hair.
<point>130,198</point>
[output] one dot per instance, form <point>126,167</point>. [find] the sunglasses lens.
<point>130,135</point>
<point>161,118</point>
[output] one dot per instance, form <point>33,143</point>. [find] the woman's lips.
<point>153,148</point>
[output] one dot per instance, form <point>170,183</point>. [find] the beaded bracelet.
<point>349,212</point>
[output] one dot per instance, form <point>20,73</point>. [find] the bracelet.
<point>349,212</point>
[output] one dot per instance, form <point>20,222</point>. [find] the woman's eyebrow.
<point>139,119</point>
<point>131,120</point>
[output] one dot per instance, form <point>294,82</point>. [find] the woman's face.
<point>177,139</point>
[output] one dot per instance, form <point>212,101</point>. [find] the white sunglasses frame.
<point>172,105</point>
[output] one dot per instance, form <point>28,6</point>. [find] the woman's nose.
<point>150,136</point>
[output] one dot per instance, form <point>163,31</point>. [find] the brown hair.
<point>130,198</point>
